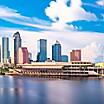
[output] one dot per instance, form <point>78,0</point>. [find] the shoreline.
<point>54,77</point>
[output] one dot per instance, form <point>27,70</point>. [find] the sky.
<point>76,24</point>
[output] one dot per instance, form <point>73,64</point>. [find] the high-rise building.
<point>30,57</point>
<point>42,50</point>
<point>16,44</point>
<point>38,54</point>
<point>64,58</point>
<point>75,55</point>
<point>23,55</point>
<point>0,53</point>
<point>56,52</point>
<point>5,49</point>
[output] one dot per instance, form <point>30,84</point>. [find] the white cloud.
<point>68,39</point>
<point>93,52</point>
<point>60,13</point>
<point>13,16</point>
<point>100,2</point>
<point>59,30</point>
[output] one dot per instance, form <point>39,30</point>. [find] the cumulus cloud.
<point>61,13</point>
<point>14,16</point>
<point>100,2</point>
<point>93,52</point>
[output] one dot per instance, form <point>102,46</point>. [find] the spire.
<point>57,42</point>
<point>16,34</point>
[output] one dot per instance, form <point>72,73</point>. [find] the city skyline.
<point>80,28</point>
<point>51,51</point>
<point>83,51</point>
<point>18,52</point>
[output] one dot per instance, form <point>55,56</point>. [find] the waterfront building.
<point>99,65</point>
<point>75,55</point>
<point>56,52</point>
<point>23,55</point>
<point>5,49</point>
<point>61,69</point>
<point>16,44</point>
<point>64,58</point>
<point>42,50</point>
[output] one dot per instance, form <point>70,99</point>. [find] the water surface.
<point>27,90</point>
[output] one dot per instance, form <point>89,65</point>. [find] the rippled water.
<point>25,90</point>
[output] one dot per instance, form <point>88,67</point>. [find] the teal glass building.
<point>5,49</point>
<point>56,52</point>
<point>42,50</point>
<point>64,58</point>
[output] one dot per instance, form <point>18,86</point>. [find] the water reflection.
<point>24,90</point>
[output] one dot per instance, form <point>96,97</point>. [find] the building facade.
<point>42,50</point>
<point>0,53</point>
<point>16,44</point>
<point>30,57</point>
<point>64,58</point>
<point>61,69</point>
<point>75,55</point>
<point>99,65</point>
<point>23,55</point>
<point>56,52</point>
<point>5,49</point>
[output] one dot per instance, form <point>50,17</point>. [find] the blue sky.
<point>36,8</point>
<point>81,20</point>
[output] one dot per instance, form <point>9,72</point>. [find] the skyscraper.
<point>16,44</point>
<point>5,49</point>
<point>30,55</point>
<point>23,55</point>
<point>42,50</point>
<point>0,53</point>
<point>75,55</point>
<point>56,52</point>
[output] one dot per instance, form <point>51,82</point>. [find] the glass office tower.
<point>42,50</point>
<point>5,49</point>
<point>0,53</point>
<point>17,43</point>
<point>56,52</point>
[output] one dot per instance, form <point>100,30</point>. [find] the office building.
<point>16,45</point>
<point>42,50</point>
<point>5,49</point>
<point>30,57</point>
<point>0,53</point>
<point>75,55</point>
<point>64,58</point>
<point>56,52</point>
<point>23,55</point>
